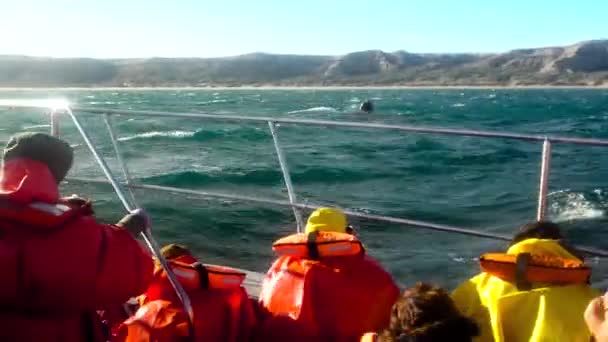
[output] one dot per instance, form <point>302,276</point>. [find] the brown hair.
<point>426,313</point>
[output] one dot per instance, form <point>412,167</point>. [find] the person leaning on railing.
<point>537,291</point>
<point>58,265</point>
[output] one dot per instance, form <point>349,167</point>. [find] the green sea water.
<point>486,184</point>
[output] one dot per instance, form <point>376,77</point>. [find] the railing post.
<point>545,169</point>
<point>54,123</point>
<point>286,176</point>
<point>121,162</point>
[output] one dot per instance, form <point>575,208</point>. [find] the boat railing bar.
<point>42,104</point>
<point>352,124</point>
<point>286,175</point>
<point>310,206</point>
<point>146,234</point>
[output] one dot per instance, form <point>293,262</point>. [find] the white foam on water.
<point>458,105</point>
<point>572,206</point>
<point>314,109</point>
<point>212,101</point>
<point>354,99</point>
<point>36,126</point>
<point>154,134</point>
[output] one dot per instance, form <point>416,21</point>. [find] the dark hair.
<point>538,230</point>
<point>426,313</point>
<point>544,230</point>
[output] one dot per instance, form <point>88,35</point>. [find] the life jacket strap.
<point>521,266</point>
<point>311,245</point>
<point>203,275</point>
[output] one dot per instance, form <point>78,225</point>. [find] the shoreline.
<point>270,87</point>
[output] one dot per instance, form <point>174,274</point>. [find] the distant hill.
<point>585,63</point>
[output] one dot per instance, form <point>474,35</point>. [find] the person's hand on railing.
<point>595,316</point>
<point>135,222</point>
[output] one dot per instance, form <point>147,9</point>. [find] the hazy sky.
<point>208,28</point>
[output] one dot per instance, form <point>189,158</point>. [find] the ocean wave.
<point>155,134</point>
<point>212,102</point>
<point>567,205</point>
<point>458,105</point>
<point>242,133</point>
<point>261,177</point>
<point>314,109</point>
<point>36,126</point>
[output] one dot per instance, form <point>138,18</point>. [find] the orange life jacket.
<point>526,268</point>
<point>222,309</point>
<point>337,295</point>
<point>318,245</point>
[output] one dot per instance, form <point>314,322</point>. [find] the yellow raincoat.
<point>542,314</point>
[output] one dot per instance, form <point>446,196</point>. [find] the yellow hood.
<point>326,220</point>
<point>541,246</point>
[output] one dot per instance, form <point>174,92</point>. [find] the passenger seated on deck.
<point>222,309</point>
<point>425,313</point>
<point>323,286</point>
<point>537,291</point>
<point>59,265</point>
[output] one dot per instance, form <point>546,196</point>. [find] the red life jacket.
<point>337,297</point>
<point>56,262</point>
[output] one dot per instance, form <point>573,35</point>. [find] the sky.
<point>210,28</point>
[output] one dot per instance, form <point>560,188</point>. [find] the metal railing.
<point>57,107</point>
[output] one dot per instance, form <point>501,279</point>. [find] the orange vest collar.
<point>318,245</point>
<point>525,269</point>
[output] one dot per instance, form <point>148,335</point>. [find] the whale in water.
<point>366,106</point>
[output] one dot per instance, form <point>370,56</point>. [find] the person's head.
<point>327,220</point>
<point>544,230</point>
<point>55,153</point>
<point>176,252</point>
<point>537,230</point>
<point>426,313</point>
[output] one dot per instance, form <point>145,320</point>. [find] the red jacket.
<point>57,264</point>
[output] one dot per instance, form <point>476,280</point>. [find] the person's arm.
<point>124,267</point>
